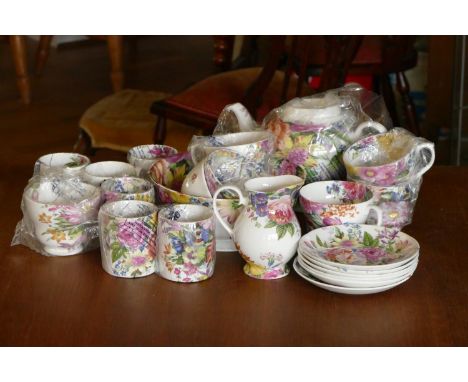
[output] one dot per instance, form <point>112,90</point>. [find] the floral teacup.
<point>334,202</point>
<point>397,202</point>
<point>61,214</point>
<point>98,172</point>
<point>390,158</point>
<point>70,163</point>
<point>128,238</point>
<point>253,146</point>
<point>186,250</point>
<point>142,157</point>
<point>128,188</point>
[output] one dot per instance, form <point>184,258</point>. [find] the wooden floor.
<point>75,77</point>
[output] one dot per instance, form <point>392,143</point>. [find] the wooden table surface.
<point>72,301</point>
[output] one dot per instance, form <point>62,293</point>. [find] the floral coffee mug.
<point>128,238</point>
<point>186,250</point>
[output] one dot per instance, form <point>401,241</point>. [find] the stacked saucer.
<point>356,258</point>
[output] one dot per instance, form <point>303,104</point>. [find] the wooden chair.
<point>260,89</point>
<point>114,44</point>
<point>377,56</point>
<point>380,57</point>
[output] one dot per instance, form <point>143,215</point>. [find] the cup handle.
<point>378,211</point>
<point>425,146</point>
<point>375,125</point>
<point>242,200</point>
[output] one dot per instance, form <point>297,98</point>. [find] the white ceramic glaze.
<point>70,163</point>
<point>98,172</point>
<point>194,183</point>
<point>61,213</point>
<point>267,231</point>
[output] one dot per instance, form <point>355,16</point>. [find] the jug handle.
<point>377,126</point>
<point>378,211</point>
<point>242,200</point>
<point>425,146</point>
<point>245,120</point>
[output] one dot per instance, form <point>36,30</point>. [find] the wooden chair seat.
<point>121,121</point>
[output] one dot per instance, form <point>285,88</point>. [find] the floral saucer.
<point>360,246</point>
<point>339,289</point>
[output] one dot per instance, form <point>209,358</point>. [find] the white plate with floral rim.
<point>327,266</point>
<point>360,246</point>
<point>357,275</point>
<point>353,282</point>
<point>337,289</point>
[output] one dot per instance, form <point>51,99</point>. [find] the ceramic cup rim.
<point>201,199</point>
<point>87,161</point>
<point>145,183</point>
<point>350,162</point>
<point>269,181</point>
<point>369,195</point>
<point>207,211</point>
<point>107,209</point>
<point>262,136</point>
<point>94,194</point>
<point>104,164</point>
<point>133,154</point>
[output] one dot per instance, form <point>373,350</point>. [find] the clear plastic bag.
<point>59,215</point>
<point>311,133</point>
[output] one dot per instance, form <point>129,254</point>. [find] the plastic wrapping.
<point>311,133</point>
<point>390,158</point>
<point>392,165</point>
<point>128,188</point>
<point>59,216</point>
<point>254,146</point>
<point>186,243</point>
<point>142,157</point>
<point>235,118</point>
<point>70,164</point>
<point>128,238</point>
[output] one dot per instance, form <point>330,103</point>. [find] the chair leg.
<point>389,98</point>
<point>160,131</point>
<point>408,105</point>
<point>83,144</point>
<point>42,53</point>
<point>18,48</point>
<point>114,44</point>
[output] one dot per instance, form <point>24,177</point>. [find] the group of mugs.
<point>67,208</point>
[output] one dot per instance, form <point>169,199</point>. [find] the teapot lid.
<point>313,110</point>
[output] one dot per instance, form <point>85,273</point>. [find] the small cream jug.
<point>267,231</point>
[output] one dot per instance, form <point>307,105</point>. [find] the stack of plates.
<point>356,258</point>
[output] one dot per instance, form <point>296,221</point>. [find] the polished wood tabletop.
<point>72,301</point>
